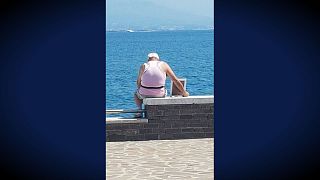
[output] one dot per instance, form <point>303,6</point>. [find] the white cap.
<point>150,55</point>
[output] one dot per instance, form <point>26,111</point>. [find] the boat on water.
<point>129,30</point>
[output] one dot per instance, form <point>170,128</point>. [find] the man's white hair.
<point>150,55</point>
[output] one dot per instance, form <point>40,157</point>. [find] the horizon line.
<point>151,30</point>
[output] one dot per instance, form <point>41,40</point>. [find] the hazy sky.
<point>198,7</point>
<point>176,11</point>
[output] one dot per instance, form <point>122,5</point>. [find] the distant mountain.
<point>144,15</point>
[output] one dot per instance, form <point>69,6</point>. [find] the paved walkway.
<point>160,159</point>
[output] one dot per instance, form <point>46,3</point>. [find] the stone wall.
<point>167,118</point>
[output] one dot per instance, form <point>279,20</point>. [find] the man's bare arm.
<point>175,80</point>
<point>139,76</point>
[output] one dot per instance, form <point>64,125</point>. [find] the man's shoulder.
<point>164,66</point>
<point>163,62</point>
<point>143,66</point>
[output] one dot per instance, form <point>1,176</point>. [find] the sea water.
<point>189,53</point>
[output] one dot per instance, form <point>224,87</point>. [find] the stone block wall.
<point>168,118</point>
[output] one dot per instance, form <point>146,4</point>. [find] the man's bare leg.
<point>139,105</point>
<point>138,101</point>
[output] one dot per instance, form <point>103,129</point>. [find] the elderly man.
<point>151,80</point>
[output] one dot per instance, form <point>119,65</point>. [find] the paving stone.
<point>160,159</point>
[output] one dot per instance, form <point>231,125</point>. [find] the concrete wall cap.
<point>120,120</point>
<point>179,100</point>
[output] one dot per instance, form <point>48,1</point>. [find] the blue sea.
<point>189,53</point>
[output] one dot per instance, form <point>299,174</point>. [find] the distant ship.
<point>129,30</point>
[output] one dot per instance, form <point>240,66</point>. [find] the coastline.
<point>159,30</point>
